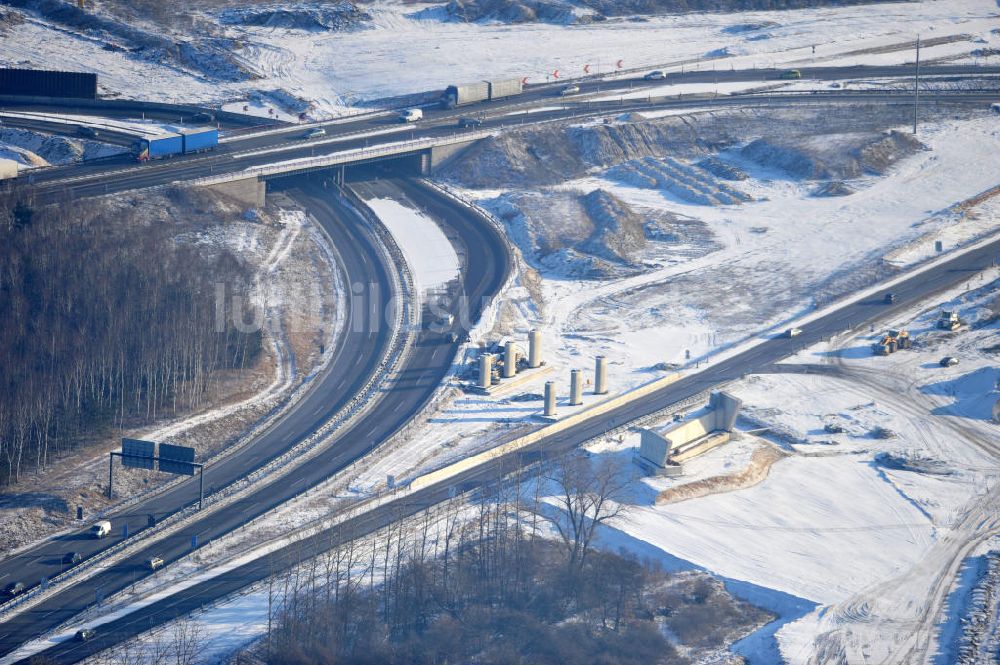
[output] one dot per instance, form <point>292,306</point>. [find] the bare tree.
<point>589,494</point>
<point>187,641</point>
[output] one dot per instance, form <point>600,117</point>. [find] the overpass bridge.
<point>417,157</point>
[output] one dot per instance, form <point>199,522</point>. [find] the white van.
<point>411,115</point>
<point>101,529</point>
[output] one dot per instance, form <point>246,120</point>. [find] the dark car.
<point>85,634</point>
<point>890,298</point>
<point>88,132</point>
<point>14,589</point>
<point>72,558</point>
<point>470,122</point>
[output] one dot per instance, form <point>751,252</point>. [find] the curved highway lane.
<point>485,270</point>
<point>358,353</point>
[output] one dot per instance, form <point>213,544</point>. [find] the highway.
<point>855,315</point>
<point>248,150</point>
<point>486,271</point>
<point>103,177</point>
<point>333,387</point>
<point>486,268</point>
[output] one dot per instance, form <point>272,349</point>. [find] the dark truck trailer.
<point>48,83</point>
<point>481,91</point>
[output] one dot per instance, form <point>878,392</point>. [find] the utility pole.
<point>916,88</point>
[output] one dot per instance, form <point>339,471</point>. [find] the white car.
<point>314,133</point>
<point>570,90</point>
<point>411,115</point>
<point>793,332</point>
<point>655,76</point>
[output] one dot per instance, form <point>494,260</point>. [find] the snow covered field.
<point>399,53</point>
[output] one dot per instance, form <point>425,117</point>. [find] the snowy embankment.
<point>427,251</point>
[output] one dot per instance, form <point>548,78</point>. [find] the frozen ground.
<point>399,53</point>
<point>847,533</point>
<point>32,149</point>
<point>776,258</point>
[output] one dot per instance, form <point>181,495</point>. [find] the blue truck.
<point>183,142</point>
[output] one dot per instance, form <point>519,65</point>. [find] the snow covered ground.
<point>829,535</point>
<point>428,252</point>
<point>400,53</point>
<point>829,524</point>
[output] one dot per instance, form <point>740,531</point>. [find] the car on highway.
<point>469,122</point>
<point>570,90</point>
<point>87,132</point>
<point>655,76</point>
<point>995,107</point>
<point>889,298</point>
<point>101,529</point>
<point>154,563</point>
<point>72,558</point>
<point>411,115</point>
<point>949,361</point>
<point>14,589</point>
<point>793,332</point>
<point>314,133</point>
<point>791,74</point>
<point>85,634</point>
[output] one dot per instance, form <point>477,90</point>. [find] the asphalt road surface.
<point>914,290</point>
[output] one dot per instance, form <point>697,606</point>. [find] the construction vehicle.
<point>949,320</point>
<point>892,341</point>
<point>902,337</point>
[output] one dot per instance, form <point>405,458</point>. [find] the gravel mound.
<point>832,156</point>
<point>914,463</point>
<point>684,181</point>
<point>331,17</point>
<point>593,236</point>
<point>834,188</point>
<point>510,11</point>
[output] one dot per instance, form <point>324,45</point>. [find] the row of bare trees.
<point>106,320</point>
<point>477,583</point>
